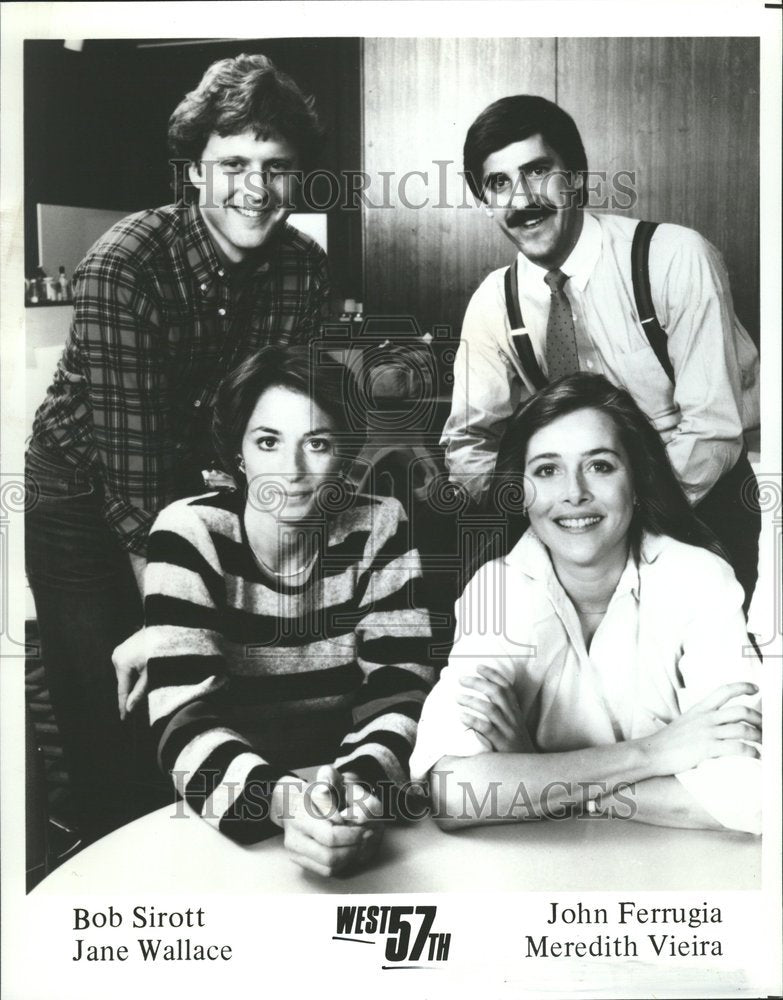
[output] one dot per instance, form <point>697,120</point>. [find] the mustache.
<point>521,215</point>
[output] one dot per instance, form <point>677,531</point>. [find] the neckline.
<point>284,577</point>
<point>267,575</point>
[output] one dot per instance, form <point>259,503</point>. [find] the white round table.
<point>174,849</point>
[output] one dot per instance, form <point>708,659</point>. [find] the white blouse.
<point>673,632</point>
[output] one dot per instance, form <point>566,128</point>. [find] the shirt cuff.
<point>130,524</point>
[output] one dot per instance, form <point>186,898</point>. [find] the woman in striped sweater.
<point>282,625</point>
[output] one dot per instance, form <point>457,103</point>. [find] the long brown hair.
<point>662,507</point>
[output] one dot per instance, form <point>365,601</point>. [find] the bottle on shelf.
<point>40,284</point>
<point>63,287</point>
<point>357,320</point>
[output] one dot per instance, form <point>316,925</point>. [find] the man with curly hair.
<point>165,303</point>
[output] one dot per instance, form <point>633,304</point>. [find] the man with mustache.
<point>165,304</point>
<point>568,303</point>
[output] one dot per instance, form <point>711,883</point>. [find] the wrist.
<point>286,795</point>
<point>642,764</point>
<point>352,778</point>
<point>138,565</point>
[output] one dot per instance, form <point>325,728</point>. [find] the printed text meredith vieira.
<point>678,940</point>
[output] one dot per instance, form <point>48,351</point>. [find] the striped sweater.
<point>250,678</point>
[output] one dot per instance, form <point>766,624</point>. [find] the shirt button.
<point>203,288</point>
<point>221,272</point>
<point>221,311</point>
<point>197,403</point>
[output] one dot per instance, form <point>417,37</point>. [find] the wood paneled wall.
<point>420,96</point>
<point>682,113</point>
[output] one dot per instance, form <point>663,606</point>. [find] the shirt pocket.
<point>643,376</point>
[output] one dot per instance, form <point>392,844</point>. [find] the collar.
<point>199,248</point>
<point>202,256</point>
<point>531,557</point>
<point>583,258</point>
<point>580,262</point>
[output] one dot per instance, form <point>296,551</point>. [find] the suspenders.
<point>640,272</point>
<point>521,340</point>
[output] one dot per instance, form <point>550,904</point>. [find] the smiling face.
<point>289,447</point>
<point>246,189</point>
<point>532,198</point>
<point>581,477</point>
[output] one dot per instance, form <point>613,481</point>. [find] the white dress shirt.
<point>701,418</point>
<point>673,632</point>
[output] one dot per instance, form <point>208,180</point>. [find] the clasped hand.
<point>330,825</point>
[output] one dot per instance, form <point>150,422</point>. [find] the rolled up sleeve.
<point>698,314</point>
<point>716,651</point>
<point>487,391</point>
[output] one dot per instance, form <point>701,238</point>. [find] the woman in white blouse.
<point>603,663</point>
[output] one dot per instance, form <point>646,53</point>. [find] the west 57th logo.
<point>408,932</point>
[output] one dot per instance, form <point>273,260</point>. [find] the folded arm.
<point>701,769</point>
<point>530,785</point>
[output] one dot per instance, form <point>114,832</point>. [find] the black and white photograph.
<point>391,499</point>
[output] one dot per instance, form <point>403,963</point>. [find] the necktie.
<point>561,354</point>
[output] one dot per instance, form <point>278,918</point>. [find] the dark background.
<point>682,113</point>
<point>96,121</point>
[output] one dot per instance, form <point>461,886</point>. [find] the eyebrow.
<point>586,454</point>
<point>313,433</point>
<point>240,158</point>
<point>539,161</point>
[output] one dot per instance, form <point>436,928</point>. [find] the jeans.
<point>87,602</point>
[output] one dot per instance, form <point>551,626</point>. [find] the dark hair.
<point>304,369</point>
<point>662,508</point>
<point>512,119</point>
<point>246,93</point>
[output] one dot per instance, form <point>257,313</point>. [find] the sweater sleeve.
<point>214,768</point>
<point>393,634</point>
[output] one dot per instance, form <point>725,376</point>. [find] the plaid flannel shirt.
<point>157,322</point>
